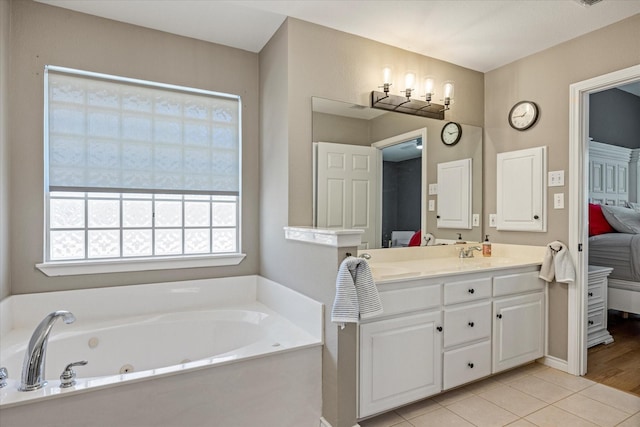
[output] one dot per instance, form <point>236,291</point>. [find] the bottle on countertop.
<point>486,246</point>
<point>460,241</point>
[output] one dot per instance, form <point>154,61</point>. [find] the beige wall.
<point>43,35</point>
<point>5,285</point>
<point>545,78</point>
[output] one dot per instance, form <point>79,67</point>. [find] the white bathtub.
<point>208,352</point>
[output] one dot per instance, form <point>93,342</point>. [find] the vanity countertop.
<point>390,265</point>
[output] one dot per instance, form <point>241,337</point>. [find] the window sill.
<point>73,268</point>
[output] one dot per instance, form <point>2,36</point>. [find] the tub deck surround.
<point>324,236</point>
<point>399,264</point>
<point>159,329</point>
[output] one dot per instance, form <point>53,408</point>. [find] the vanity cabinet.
<point>437,334</point>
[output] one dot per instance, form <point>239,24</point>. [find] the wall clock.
<point>523,115</point>
<point>451,133</point>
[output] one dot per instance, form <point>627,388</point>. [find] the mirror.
<point>360,126</point>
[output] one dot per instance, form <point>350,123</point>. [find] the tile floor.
<point>533,395</point>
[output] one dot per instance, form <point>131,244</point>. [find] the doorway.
<point>578,203</point>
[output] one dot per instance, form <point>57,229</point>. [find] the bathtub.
<point>235,351</point>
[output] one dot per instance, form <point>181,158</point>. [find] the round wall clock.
<point>451,133</point>
<point>523,115</point>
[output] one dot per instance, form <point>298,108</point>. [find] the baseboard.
<point>325,423</point>
<point>554,362</point>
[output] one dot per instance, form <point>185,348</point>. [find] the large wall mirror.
<point>391,160</point>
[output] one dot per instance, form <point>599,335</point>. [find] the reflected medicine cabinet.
<point>521,192</point>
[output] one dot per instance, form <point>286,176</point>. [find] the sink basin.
<point>388,272</point>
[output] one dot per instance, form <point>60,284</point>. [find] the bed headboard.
<point>608,174</point>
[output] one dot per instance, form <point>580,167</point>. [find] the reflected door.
<point>346,188</point>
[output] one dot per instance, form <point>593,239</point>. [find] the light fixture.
<point>385,100</point>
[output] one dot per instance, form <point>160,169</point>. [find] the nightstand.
<point>597,332</point>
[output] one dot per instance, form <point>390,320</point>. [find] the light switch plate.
<point>558,201</point>
<point>433,189</point>
<point>476,220</point>
<point>556,179</point>
<point>432,205</point>
<point>492,220</point>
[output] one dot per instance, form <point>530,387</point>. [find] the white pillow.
<point>634,206</point>
<point>623,220</point>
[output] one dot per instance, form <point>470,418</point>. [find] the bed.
<point>615,243</point>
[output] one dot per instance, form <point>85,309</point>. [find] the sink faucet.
<point>468,252</point>
<point>34,357</point>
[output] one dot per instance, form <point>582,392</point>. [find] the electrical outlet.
<point>476,220</point>
<point>558,201</point>
<point>432,205</point>
<point>492,220</point>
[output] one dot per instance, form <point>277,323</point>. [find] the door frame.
<point>578,196</point>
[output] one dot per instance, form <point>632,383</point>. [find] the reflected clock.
<point>451,133</point>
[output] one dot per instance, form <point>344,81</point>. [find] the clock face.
<point>451,133</point>
<point>523,115</point>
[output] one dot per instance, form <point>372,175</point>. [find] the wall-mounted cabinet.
<point>521,190</point>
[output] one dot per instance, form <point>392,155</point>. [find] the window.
<point>139,170</point>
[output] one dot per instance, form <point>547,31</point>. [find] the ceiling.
<point>478,34</point>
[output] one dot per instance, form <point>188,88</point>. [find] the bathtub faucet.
<point>35,356</point>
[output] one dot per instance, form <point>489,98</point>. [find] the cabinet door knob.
<point>590,294</point>
<point>439,328</point>
<point>470,365</point>
<point>591,322</point>
<point>471,291</point>
<point>536,217</point>
<point>499,316</point>
<point>471,324</point>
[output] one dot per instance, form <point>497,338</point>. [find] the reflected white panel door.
<point>454,194</point>
<point>347,189</point>
<point>521,192</point>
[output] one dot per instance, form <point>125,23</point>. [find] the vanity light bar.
<point>401,104</point>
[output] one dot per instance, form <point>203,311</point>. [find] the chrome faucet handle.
<point>365,256</point>
<point>68,376</point>
<point>4,374</point>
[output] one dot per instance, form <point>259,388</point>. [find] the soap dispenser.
<point>460,241</point>
<point>486,246</point>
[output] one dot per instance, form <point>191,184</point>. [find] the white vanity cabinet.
<point>437,334</point>
<point>519,319</point>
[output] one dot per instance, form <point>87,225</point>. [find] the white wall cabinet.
<point>439,333</point>
<point>521,190</point>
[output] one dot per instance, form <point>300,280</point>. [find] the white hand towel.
<point>356,293</point>
<point>557,264</point>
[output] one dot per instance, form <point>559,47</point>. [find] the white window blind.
<point>107,133</point>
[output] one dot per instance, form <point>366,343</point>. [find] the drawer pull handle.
<point>590,294</point>
<point>591,322</point>
<point>536,217</point>
<point>499,316</point>
<point>471,290</point>
<point>439,328</point>
<point>471,324</point>
<point>470,365</point>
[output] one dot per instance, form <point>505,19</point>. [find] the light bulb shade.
<point>409,80</point>
<point>448,89</point>
<point>429,83</point>
<point>386,75</point>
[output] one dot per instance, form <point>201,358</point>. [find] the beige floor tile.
<point>551,416</point>
<point>418,408</point>
<point>519,373</point>
<point>482,413</point>
<point>541,389</point>
<point>592,410</point>
<point>482,386</point>
<point>387,419</point>
<point>626,402</point>
<point>568,381</point>
<point>513,400</point>
<point>452,396</point>
<point>440,418</point>
<point>521,423</point>
<point>631,422</point>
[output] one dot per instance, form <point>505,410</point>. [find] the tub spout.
<point>35,356</point>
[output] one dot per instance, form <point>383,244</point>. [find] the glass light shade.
<point>428,85</point>
<point>386,75</point>
<point>448,90</point>
<point>409,80</point>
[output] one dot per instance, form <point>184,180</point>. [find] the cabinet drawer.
<point>517,283</point>
<point>467,323</point>
<point>405,300</point>
<point>595,294</point>
<point>466,364</point>
<point>596,318</point>
<point>468,290</point>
